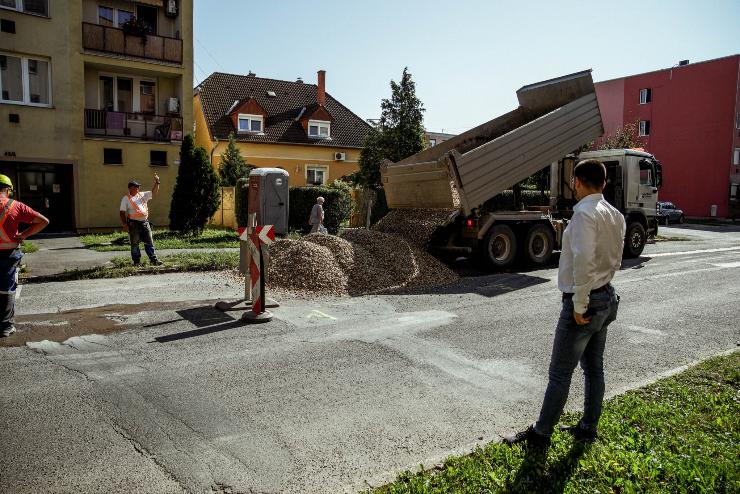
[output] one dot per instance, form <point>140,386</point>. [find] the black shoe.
<point>579,433</point>
<point>530,437</point>
<point>155,262</point>
<point>8,331</point>
<point>137,263</point>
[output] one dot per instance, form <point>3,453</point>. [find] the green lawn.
<point>120,267</point>
<point>681,434</point>
<point>663,238</point>
<point>163,239</point>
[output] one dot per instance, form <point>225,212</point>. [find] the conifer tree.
<point>196,196</point>
<point>232,166</point>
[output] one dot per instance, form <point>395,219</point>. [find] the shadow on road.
<point>202,331</point>
<point>636,263</point>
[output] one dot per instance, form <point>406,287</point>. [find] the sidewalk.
<point>55,255</point>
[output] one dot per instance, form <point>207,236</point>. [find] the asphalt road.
<point>334,395</point>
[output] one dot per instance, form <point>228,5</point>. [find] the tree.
<point>196,196</point>
<point>398,134</point>
<point>232,166</point>
<point>624,138</point>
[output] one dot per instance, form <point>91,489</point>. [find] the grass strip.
<point>27,247</point>
<point>680,434</point>
<point>663,238</point>
<point>120,267</point>
<point>163,239</point>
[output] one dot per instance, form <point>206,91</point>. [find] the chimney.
<point>683,62</point>
<point>321,94</point>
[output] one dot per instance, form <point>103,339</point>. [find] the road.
<point>334,395</point>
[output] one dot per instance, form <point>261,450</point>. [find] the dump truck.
<point>555,118</point>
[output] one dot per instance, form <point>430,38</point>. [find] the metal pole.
<point>262,278</point>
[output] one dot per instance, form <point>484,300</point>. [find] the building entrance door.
<point>48,191</point>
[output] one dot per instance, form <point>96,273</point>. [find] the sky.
<point>467,57</point>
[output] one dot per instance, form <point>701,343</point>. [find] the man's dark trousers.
<point>141,231</point>
<point>9,262</point>
<point>574,343</point>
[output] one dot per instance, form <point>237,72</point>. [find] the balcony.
<point>132,126</point>
<point>113,40</point>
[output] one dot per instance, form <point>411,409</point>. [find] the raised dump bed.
<point>554,118</point>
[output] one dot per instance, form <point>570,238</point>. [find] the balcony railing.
<point>114,40</point>
<point>127,125</point>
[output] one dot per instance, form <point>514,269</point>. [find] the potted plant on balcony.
<point>136,27</point>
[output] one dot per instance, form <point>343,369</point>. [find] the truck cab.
<point>633,180</point>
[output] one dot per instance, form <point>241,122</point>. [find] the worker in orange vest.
<point>134,213</point>
<point>13,213</point>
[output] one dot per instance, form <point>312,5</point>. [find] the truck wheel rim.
<point>636,240</point>
<point>500,247</point>
<point>539,246</point>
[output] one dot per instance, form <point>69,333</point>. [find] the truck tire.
<point>538,245</point>
<point>499,247</point>
<point>634,240</point>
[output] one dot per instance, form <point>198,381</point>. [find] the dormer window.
<point>319,129</point>
<point>250,123</point>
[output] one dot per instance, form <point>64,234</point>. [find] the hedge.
<point>337,206</point>
<point>241,201</point>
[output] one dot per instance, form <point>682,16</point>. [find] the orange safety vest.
<point>141,211</point>
<point>5,241</point>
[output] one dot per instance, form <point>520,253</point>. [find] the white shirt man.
<point>134,213</point>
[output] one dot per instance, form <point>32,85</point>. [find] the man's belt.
<point>605,288</point>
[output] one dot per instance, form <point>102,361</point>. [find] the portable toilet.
<point>268,197</point>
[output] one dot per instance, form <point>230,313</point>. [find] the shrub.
<point>337,206</point>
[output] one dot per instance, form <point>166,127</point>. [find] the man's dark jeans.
<point>141,231</point>
<point>9,262</point>
<point>574,343</point>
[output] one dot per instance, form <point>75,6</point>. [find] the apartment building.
<point>93,93</point>
<point>687,115</point>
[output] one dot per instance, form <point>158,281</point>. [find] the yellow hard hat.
<point>5,180</point>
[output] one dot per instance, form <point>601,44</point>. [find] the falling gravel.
<point>415,226</point>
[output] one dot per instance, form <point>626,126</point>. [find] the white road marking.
<point>689,252</point>
<point>727,264</point>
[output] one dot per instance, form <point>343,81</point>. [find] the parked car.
<point>668,212</point>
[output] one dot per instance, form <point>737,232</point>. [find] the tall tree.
<point>398,134</point>
<point>196,196</point>
<point>232,166</point>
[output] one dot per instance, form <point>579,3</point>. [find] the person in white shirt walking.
<point>591,253</point>
<point>134,212</point>
<point>316,220</point>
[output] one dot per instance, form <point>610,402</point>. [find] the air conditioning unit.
<point>173,105</point>
<point>340,156</point>
<point>170,8</point>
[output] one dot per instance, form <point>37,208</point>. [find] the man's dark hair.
<point>591,173</point>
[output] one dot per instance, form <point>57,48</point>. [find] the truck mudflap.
<point>554,118</point>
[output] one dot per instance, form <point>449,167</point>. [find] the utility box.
<point>268,197</point>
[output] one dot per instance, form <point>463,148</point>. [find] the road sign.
<point>266,234</point>
<point>244,234</point>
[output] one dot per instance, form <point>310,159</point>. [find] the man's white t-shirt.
<point>139,199</point>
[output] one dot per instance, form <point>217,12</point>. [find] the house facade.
<point>688,116</point>
<point>433,138</point>
<point>93,93</point>
<point>291,125</point>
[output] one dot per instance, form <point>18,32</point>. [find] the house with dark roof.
<point>292,125</point>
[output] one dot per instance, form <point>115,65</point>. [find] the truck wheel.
<point>500,247</point>
<point>634,240</point>
<point>681,219</point>
<point>539,244</point>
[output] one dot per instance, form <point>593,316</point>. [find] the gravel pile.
<point>413,225</point>
<point>359,262</point>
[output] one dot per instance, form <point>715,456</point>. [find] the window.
<point>644,127</point>
<point>646,173</point>
<point>250,123</point>
<point>737,121</point>
<point>316,175</point>
<point>123,17</point>
<point>733,192</point>
<point>108,16</point>
<point>432,142</point>
<point>117,94</point>
<point>158,158</point>
<point>105,16</point>
<point>112,156</point>
<point>319,129</point>
<point>147,100</point>
<point>38,7</point>
<point>25,80</point>
<point>646,96</point>
<point>736,157</point>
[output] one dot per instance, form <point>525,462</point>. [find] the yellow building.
<point>290,125</point>
<point>93,93</point>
